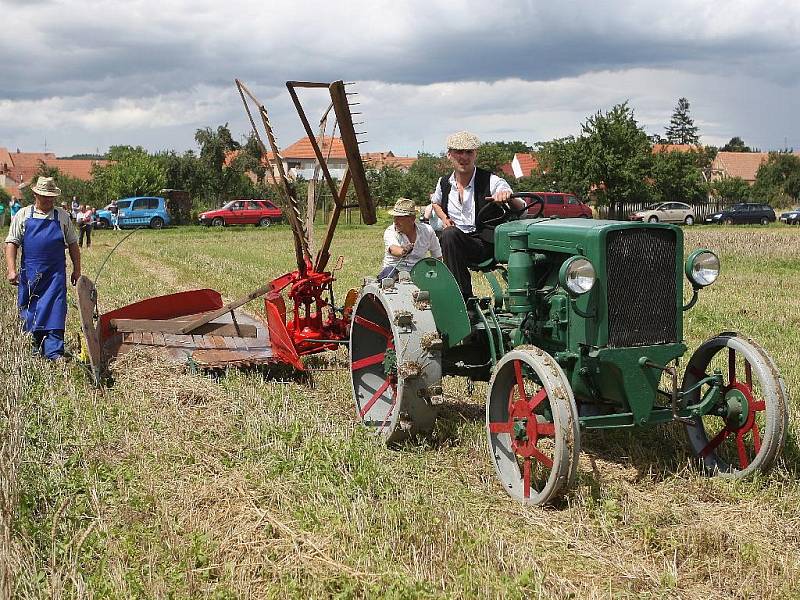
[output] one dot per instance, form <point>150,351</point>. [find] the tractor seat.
<point>483,267</point>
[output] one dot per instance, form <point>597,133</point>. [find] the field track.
<point>170,484</point>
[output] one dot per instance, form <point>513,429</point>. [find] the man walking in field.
<point>458,201</point>
<point>43,231</point>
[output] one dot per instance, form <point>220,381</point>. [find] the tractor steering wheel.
<point>508,212</point>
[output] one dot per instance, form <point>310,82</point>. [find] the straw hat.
<point>45,186</point>
<point>463,140</point>
<point>403,208</point>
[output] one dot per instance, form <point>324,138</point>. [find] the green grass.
<point>176,485</point>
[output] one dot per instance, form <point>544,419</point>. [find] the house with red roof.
<point>737,164</point>
<point>524,164</point>
<point>19,168</point>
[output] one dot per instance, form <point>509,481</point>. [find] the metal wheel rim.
<point>552,441</point>
<point>739,448</point>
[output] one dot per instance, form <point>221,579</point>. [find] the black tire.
<point>264,222</point>
<point>764,221</point>
<point>103,223</point>
<point>156,223</point>
<point>218,222</point>
<point>689,220</point>
<point>728,221</point>
<point>653,219</point>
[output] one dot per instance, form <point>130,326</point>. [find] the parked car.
<point>559,204</point>
<point>668,212</point>
<point>744,213</point>
<point>138,211</point>
<point>243,212</point>
<point>792,217</point>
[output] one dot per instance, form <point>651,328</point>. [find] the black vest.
<point>481,191</point>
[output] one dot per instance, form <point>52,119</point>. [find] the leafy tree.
<point>731,189</point>
<point>493,155</point>
<point>5,197</point>
<point>183,172</point>
<point>778,179</point>
<point>562,168</point>
<point>132,172</point>
<point>677,178</point>
<point>385,184</point>
<point>682,129</point>
<point>613,154</point>
<point>735,144</point>
<point>86,192</point>
<point>221,181</point>
<point>420,181</point>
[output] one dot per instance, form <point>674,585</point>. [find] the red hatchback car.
<point>243,212</point>
<point>559,204</point>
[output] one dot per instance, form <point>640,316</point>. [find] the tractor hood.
<point>566,236</point>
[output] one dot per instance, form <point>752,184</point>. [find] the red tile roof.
<point>22,167</point>
<point>527,163</point>
<point>738,164</point>
<point>302,149</point>
<point>507,170</point>
<point>388,159</point>
<point>675,148</point>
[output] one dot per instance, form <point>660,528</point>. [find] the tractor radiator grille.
<point>642,299</point>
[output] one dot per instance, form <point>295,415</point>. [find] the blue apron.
<point>42,291</point>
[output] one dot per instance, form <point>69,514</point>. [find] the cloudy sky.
<point>81,75</point>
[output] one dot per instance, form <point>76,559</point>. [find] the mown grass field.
<point>175,485</point>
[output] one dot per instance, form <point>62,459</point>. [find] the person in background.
<point>406,241</point>
<point>43,230</point>
<point>76,208</point>
<point>3,213</point>
<point>84,222</point>
<point>15,206</point>
<point>114,210</point>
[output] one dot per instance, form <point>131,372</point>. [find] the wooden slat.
<point>177,325</point>
<point>190,327</point>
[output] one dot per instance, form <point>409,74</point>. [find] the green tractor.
<point>584,329</point>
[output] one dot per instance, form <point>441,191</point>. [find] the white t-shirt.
<point>462,214</point>
<point>83,217</point>
<point>426,242</point>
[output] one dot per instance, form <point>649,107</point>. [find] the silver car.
<point>667,212</point>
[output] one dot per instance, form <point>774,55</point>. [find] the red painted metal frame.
<point>311,324</point>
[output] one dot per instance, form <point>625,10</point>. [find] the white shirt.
<point>462,214</point>
<point>84,217</point>
<point>16,233</point>
<point>426,242</point>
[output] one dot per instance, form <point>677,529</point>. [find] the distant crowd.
<point>83,216</point>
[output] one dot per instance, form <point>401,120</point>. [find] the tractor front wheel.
<point>746,430</point>
<point>532,426</point>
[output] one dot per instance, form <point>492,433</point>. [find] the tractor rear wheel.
<point>395,361</point>
<point>747,431</point>
<point>532,426</point>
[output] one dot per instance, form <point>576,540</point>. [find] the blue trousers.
<point>49,343</point>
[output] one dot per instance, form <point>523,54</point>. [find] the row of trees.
<point>611,160</point>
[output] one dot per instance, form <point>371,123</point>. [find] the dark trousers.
<point>460,249</point>
<point>86,229</point>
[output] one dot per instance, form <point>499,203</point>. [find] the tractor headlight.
<point>577,275</point>
<point>702,268</point>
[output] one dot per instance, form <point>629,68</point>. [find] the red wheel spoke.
<point>391,407</point>
<point>718,439</point>
<point>542,458</point>
<point>526,477</point>
<point>374,398</point>
<point>359,320</point>
<point>537,399</point>
<point>756,438</point>
<point>520,380</point>
<point>363,363</point>
<point>499,427</point>
<point>742,449</point>
<point>759,405</point>
<point>731,365</point>
<point>547,429</point>
<point>748,374</point>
